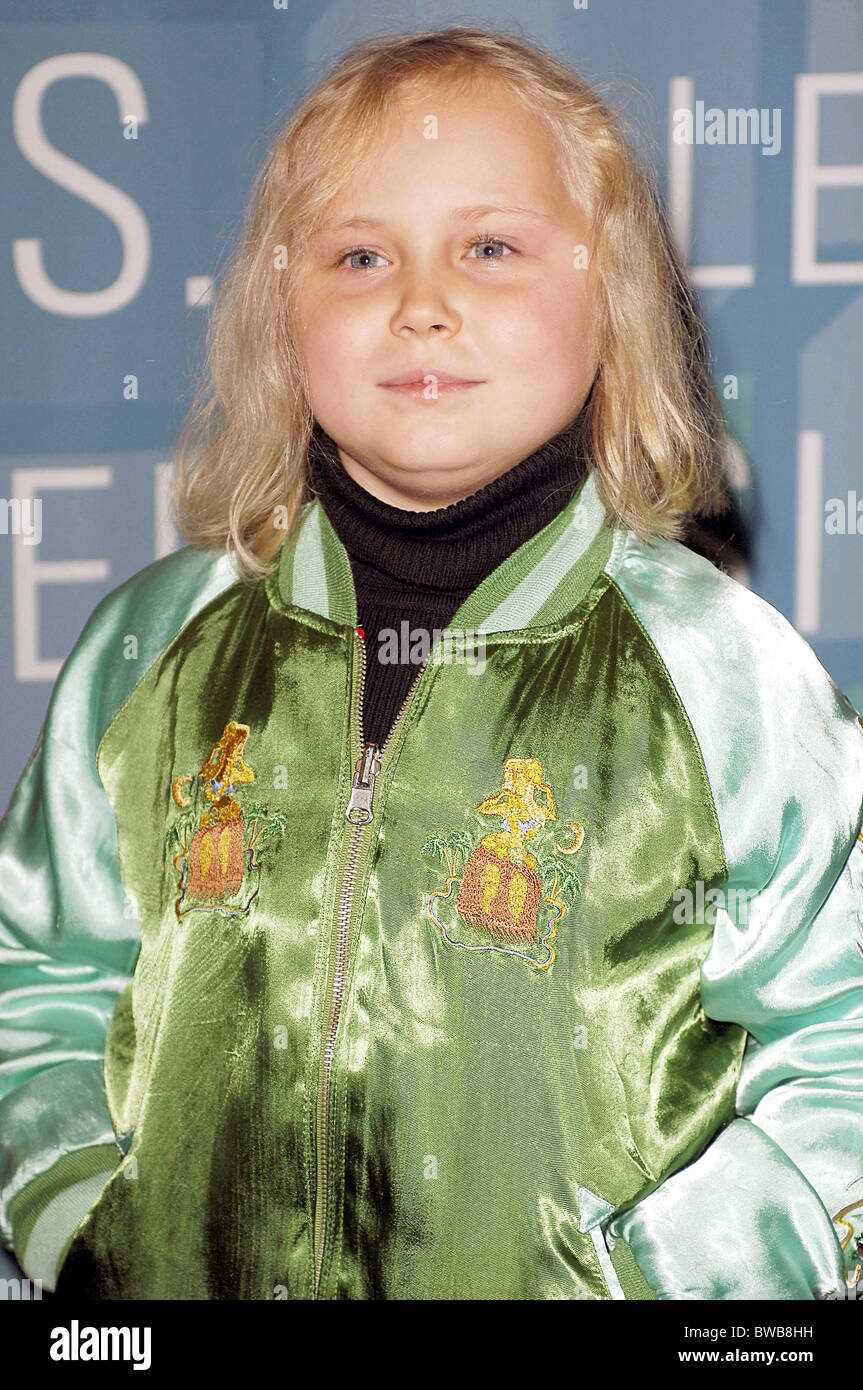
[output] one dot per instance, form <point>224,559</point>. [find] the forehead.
<point>451,147</point>
<point>461,107</point>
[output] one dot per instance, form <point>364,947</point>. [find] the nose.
<point>425,306</point>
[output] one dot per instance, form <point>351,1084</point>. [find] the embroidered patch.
<point>214,843</point>
<point>505,891</point>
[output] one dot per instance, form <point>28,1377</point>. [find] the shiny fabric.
<point>667,1111</point>
<point>782,747</point>
<point>69,937</point>
<point>463,1117</point>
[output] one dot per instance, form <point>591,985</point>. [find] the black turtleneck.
<point>420,567</point>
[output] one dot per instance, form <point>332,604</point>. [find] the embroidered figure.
<point>500,893</point>
<point>211,862</point>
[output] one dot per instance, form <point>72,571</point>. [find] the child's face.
<point>514,317</point>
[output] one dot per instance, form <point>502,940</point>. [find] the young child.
<point>460,893</point>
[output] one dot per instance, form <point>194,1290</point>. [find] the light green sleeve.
<point>69,936</point>
<point>756,1214</point>
<point>752,1217</point>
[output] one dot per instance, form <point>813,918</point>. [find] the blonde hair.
<point>657,428</point>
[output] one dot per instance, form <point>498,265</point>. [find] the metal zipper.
<point>359,813</point>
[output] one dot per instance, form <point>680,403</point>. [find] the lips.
<point>416,376</point>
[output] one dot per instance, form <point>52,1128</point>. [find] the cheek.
<point>545,338</point>
<point>561,329</point>
<point>333,331</point>
<point>534,332</point>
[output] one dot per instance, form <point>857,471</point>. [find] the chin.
<point>441,463</point>
<point>435,442</point>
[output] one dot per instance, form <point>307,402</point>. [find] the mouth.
<point>427,383</point>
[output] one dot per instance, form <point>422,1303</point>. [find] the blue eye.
<point>491,241</point>
<point>358,251</point>
<point>482,239</point>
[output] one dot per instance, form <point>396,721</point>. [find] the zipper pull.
<point>368,766</point>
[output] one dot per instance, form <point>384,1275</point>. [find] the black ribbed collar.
<point>448,550</point>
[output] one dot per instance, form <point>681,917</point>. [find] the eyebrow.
<point>464,214</point>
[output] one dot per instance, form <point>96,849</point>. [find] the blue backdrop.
<point>130,137</point>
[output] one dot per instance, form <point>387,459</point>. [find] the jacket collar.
<point>539,584</point>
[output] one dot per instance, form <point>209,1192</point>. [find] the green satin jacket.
<point>558,994</point>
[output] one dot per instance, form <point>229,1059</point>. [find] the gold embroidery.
<point>522,777</point>
<point>222,769</point>
<point>500,891</point>
<point>211,863</point>
<point>517,895</point>
<point>205,855</point>
<point>577,838</point>
<point>176,791</point>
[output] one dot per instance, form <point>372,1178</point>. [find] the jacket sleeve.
<point>67,945</point>
<point>69,939</point>
<point>69,934</point>
<point>773,1207</point>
